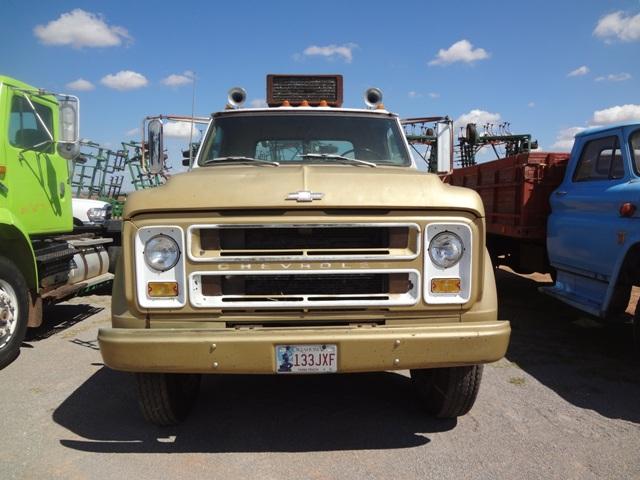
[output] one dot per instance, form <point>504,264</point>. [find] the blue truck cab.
<point>593,232</point>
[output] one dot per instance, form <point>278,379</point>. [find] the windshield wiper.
<point>241,160</point>
<point>331,156</point>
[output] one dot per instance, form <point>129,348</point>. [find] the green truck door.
<point>36,177</point>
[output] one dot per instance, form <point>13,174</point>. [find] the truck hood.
<point>265,187</point>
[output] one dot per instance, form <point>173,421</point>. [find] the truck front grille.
<point>304,288</point>
<point>230,243</point>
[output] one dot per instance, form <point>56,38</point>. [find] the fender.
<point>15,241</point>
<point>632,241</point>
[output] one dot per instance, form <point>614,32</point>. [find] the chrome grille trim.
<point>411,297</point>
<point>304,253</point>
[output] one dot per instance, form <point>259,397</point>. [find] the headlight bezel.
<point>147,248</point>
<point>144,274</point>
<point>463,269</point>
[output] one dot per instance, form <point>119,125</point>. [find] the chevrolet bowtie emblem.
<point>305,196</point>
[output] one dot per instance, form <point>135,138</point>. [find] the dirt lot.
<point>563,404</point>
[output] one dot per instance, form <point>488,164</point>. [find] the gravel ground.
<point>563,404</point>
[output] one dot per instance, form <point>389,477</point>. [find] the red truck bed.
<point>515,191</point>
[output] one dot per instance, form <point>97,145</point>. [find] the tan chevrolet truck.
<point>304,240</point>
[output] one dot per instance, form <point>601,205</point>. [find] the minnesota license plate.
<point>306,358</point>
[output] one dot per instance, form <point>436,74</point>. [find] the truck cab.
<point>593,238</point>
<point>40,261</point>
<point>303,241</point>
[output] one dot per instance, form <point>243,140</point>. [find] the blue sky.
<point>497,61</point>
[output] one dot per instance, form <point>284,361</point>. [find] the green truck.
<point>41,259</point>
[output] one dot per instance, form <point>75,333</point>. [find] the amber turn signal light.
<point>445,285</point>
<point>162,289</point>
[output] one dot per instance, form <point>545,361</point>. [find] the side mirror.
<point>69,138</point>
<point>156,147</point>
<point>444,135</point>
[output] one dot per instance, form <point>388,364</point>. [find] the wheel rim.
<point>8,312</point>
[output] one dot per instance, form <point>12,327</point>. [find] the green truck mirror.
<point>68,142</point>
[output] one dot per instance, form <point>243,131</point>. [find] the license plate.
<point>306,358</point>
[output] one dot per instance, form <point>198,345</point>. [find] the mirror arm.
<point>35,147</point>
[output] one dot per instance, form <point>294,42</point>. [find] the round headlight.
<point>161,252</point>
<point>445,249</point>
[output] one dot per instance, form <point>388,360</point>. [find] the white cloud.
<point>81,85</point>
<point>78,29</point>
<point>615,77</point>
<point>618,25</point>
<point>461,51</point>
<point>331,52</point>
<point>578,72</point>
<point>617,114</point>
<point>133,132</point>
<point>531,104</point>
<point>564,138</point>
<point>414,94</point>
<point>258,103</point>
<point>178,79</point>
<point>477,116</point>
<point>434,95</point>
<point>125,80</point>
<point>181,130</point>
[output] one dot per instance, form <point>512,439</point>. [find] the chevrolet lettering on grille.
<point>292,266</point>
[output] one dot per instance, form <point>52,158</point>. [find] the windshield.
<point>301,138</point>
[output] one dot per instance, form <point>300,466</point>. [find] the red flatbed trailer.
<point>515,191</point>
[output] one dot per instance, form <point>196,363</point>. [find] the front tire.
<point>448,392</point>
<point>167,398</point>
<point>14,311</point>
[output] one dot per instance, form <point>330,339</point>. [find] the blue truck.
<point>575,216</point>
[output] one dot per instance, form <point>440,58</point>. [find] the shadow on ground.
<point>589,364</point>
<point>57,318</point>
<point>254,414</point>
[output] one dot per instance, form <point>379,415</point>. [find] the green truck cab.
<point>303,241</point>
<point>38,141</point>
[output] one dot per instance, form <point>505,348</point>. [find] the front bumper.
<point>360,349</point>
